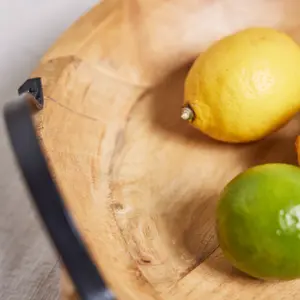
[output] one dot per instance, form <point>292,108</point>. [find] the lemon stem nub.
<point>187,114</point>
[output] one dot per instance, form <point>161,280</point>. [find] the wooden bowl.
<point>141,183</point>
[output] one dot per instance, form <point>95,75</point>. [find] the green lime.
<point>258,221</point>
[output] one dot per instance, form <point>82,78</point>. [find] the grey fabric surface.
<point>29,266</point>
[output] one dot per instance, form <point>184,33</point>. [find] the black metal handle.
<point>47,199</point>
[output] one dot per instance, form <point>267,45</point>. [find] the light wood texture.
<point>142,184</point>
<point>297,144</point>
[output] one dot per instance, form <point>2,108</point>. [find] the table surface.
<point>28,265</point>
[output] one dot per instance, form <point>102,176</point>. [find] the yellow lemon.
<point>244,86</point>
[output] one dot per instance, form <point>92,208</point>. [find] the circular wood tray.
<point>142,184</point>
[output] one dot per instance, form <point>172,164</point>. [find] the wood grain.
<point>141,184</point>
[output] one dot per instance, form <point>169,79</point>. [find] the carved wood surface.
<point>141,184</point>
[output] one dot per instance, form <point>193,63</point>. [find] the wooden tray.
<point>142,184</point>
